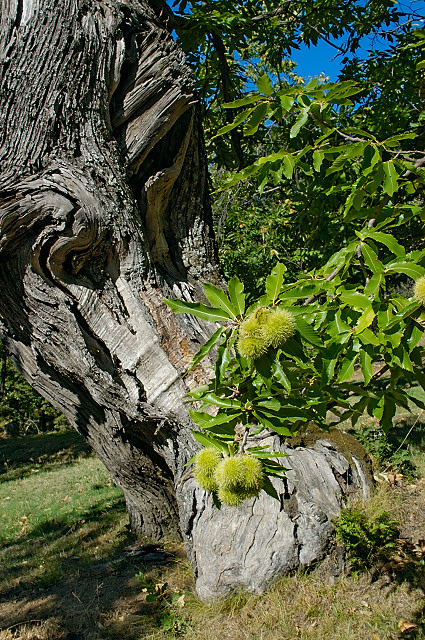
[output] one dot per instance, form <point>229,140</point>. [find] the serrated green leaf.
<point>352,151</point>
<point>328,370</point>
<point>242,102</point>
<point>272,403</point>
<point>236,122</point>
<point>355,299</point>
<point>266,454</point>
<point>402,355</point>
<point>237,295</point>
<point>276,424</point>
<point>341,258</point>
<point>228,403</point>
<point>288,164</point>
<point>207,421</point>
<point>239,176</point>
<point>280,375</point>
<point>274,282</point>
<point>301,292</point>
<point>224,357</point>
<point>209,441</point>
<point>388,414</point>
<point>342,327</point>
<point>299,122</point>
<point>371,157</point>
<point>395,139</point>
<point>343,90</point>
<point>365,320</point>
<point>199,310</point>
<point>371,259</point>
<point>272,467</point>
<point>413,334</point>
<point>286,413</point>
<point>206,348</point>
<point>318,157</point>
<point>219,299</point>
<point>368,337</point>
<point>198,392</point>
<point>346,370</point>
<point>286,102</point>
<point>264,85</point>
<point>389,241</point>
<point>412,270</point>
<point>255,119</point>
<point>366,366</point>
<point>269,488</point>
<point>307,332</point>
<point>407,311</point>
<point>391,178</point>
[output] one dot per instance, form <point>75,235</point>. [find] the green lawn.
<point>54,506</point>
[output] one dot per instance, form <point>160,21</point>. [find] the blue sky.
<point>314,61</point>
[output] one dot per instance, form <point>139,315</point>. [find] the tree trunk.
<point>104,212</point>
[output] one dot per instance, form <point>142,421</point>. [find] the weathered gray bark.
<point>104,212</point>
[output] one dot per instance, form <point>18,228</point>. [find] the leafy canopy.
<point>327,147</point>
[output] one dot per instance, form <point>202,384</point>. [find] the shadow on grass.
<point>19,456</point>
<point>70,581</point>
<point>57,540</point>
<point>403,432</point>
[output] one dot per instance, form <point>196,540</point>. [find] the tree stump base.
<point>252,546</point>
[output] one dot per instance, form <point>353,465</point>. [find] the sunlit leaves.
<point>331,157</point>
<point>200,310</point>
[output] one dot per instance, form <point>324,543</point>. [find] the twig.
<point>19,624</point>
<point>243,441</point>
<point>322,35</point>
<point>379,373</point>
<point>83,607</point>
<point>330,277</point>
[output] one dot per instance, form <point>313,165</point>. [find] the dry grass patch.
<point>33,630</point>
<point>303,606</point>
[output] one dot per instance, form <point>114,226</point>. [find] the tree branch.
<point>228,95</point>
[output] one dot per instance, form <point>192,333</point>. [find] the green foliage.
<point>367,539</point>
<point>396,451</point>
<point>167,602</point>
<point>256,232</point>
<point>345,168</point>
<point>230,45</point>
<point>346,315</point>
<point>325,157</point>
<point>376,444</point>
<point>23,410</point>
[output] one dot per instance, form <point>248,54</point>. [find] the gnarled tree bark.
<point>104,211</point>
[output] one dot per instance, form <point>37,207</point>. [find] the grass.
<point>309,606</point>
<point>55,505</point>
<point>63,530</point>
<point>20,457</point>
